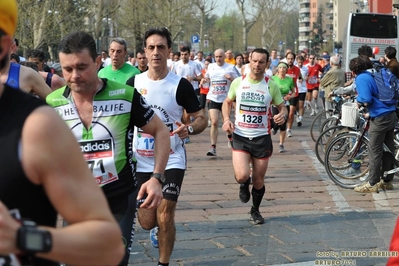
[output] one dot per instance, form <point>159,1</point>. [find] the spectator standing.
<point>393,65</point>
<point>381,130</point>
<point>333,79</point>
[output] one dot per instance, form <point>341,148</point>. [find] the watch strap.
<point>159,176</point>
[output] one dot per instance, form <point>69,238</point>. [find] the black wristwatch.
<point>161,177</point>
<point>31,239</point>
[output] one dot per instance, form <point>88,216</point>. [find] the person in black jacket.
<point>390,56</point>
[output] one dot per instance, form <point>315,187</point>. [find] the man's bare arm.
<point>152,187</point>
<point>92,236</point>
<point>32,82</point>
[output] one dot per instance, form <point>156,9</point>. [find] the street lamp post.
<point>295,48</point>
<point>310,46</point>
<point>333,43</point>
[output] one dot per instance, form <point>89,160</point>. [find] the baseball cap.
<point>326,57</point>
<point>8,16</point>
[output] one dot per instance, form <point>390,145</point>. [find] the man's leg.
<point>291,115</point>
<point>301,108</point>
<point>214,131</point>
<point>167,229</point>
<point>258,186</point>
<point>241,167</point>
<point>315,94</point>
<point>147,218</point>
<point>379,127</point>
<point>166,213</point>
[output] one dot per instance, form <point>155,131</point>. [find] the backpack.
<point>387,84</point>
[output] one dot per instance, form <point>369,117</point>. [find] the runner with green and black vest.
<point>102,114</point>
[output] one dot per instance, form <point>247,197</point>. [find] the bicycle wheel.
<point>329,122</point>
<point>316,125</point>
<point>346,160</point>
<point>322,141</point>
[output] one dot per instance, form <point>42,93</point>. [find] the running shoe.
<point>244,194</point>
<point>313,113</point>
<point>289,133</point>
<point>299,121</point>
<point>154,237</point>
<point>256,217</point>
<point>385,185</point>
<point>211,152</point>
<point>281,148</point>
<point>366,188</point>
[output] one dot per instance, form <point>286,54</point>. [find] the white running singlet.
<point>219,85</point>
<point>162,96</point>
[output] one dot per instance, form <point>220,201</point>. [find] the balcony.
<point>329,5</point>
<point>303,38</point>
<point>304,10</point>
<point>304,1</point>
<point>304,19</point>
<point>330,15</point>
<point>304,29</point>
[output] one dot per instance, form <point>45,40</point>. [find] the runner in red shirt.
<point>313,82</point>
<point>295,73</point>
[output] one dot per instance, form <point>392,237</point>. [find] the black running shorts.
<point>171,188</point>
<point>302,96</point>
<point>294,101</point>
<point>214,105</point>
<point>259,147</point>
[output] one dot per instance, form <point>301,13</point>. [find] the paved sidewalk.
<point>307,217</point>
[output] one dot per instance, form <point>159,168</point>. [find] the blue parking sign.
<point>195,38</point>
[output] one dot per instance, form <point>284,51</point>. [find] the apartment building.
<point>335,17</point>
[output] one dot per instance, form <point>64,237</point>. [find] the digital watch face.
<point>34,240</point>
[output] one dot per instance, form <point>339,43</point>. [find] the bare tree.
<point>273,12</point>
<point>101,20</point>
<point>205,7</point>
<point>250,12</point>
<point>43,23</point>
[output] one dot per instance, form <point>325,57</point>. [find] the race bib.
<point>99,155</point>
<point>145,144</point>
<point>313,80</point>
<point>219,86</point>
<point>251,116</point>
